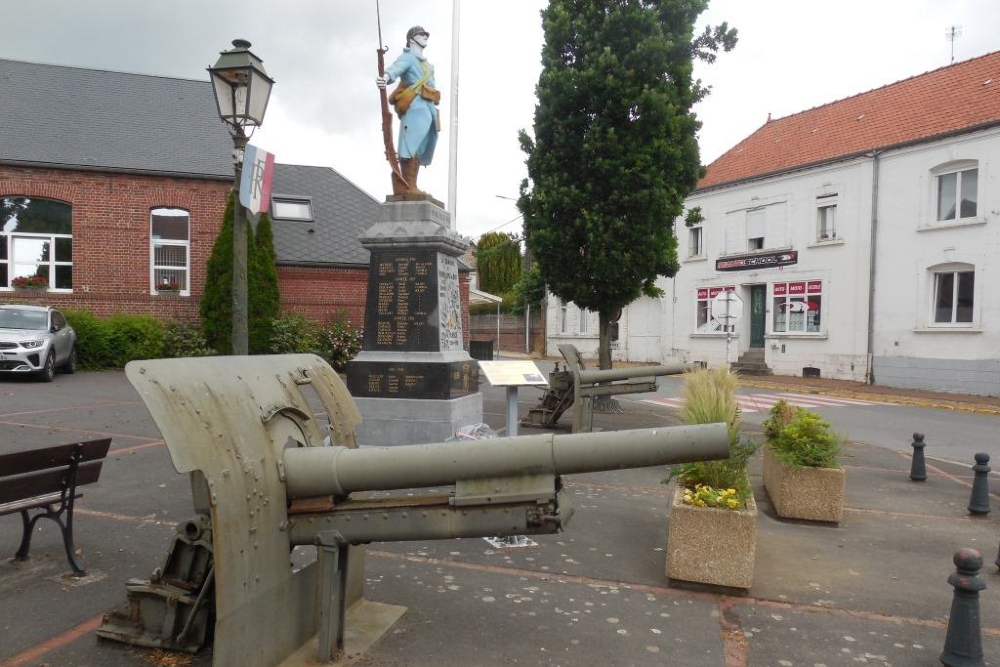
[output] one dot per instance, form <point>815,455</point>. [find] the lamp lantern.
<point>242,87</point>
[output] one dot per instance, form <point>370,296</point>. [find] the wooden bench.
<point>48,480</point>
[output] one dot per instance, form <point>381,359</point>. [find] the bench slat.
<point>45,482</point>
<point>52,457</point>
<point>32,503</point>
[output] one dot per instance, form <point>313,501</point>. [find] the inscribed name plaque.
<point>414,303</point>
<point>413,379</point>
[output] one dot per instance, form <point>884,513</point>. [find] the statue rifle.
<point>390,150</point>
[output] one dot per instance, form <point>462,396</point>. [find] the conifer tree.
<point>615,149</point>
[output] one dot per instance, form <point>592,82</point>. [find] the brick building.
<point>112,183</point>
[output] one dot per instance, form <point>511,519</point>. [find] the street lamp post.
<point>242,89</point>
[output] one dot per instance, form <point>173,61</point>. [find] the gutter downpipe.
<point>870,371</point>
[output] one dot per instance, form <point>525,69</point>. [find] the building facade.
<point>861,238</point>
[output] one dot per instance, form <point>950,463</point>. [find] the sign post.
<point>727,307</point>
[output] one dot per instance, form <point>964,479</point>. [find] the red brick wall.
<point>111,235</point>
<point>111,247</point>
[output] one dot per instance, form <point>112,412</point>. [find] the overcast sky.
<point>792,55</point>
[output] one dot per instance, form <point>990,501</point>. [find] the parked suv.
<point>36,340</point>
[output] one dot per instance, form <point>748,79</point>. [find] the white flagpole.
<point>453,136</point>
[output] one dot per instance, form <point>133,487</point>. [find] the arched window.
<point>36,239</point>
<point>170,250</point>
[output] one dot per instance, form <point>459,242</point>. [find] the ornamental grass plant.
<point>799,437</point>
<point>710,398</point>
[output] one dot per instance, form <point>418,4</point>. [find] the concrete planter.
<point>712,546</point>
<point>800,492</point>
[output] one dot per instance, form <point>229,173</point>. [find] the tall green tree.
<point>264,298</point>
<point>615,149</point>
<point>498,262</point>
<point>216,306</point>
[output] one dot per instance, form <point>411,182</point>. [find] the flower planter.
<point>800,492</point>
<point>712,546</point>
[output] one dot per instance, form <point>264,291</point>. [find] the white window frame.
<point>959,273</point>
<point>12,239</point>
<point>963,171</point>
<point>786,298</point>
<point>563,317</point>
<point>703,320</point>
<point>826,217</point>
<point>696,242</point>
<point>756,226</point>
<point>584,323</point>
<point>175,271</point>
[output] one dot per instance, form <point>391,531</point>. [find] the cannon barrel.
<point>613,374</point>
<point>319,471</point>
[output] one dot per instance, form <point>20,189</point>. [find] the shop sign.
<point>757,261</point>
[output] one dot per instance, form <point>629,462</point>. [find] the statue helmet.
<point>414,31</point>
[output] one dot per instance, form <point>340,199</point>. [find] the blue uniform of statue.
<point>418,125</point>
<point>415,99</point>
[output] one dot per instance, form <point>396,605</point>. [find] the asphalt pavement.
<point>872,590</point>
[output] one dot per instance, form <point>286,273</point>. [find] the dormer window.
<point>291,208</point>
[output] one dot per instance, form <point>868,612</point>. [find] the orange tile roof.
<point>958,97</point>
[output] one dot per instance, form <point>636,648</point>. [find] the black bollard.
<point>918,469</point>
<point>979,501</point>
<point>963,644</point>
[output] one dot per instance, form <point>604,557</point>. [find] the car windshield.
<point>31,320</point>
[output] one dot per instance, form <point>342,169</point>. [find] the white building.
<point>863,237</point>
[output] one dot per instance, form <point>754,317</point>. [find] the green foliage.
<point>114,341</point>
<point>183,339</point>
<point>801,438</point>
<point>531,288</point>
<point>133,337</point>
<point>694,217</point>
<point>337,342</point>
<point>498,262</point>
<point>710,398</point>
<point>340,342</point>
<point>291,333</point>
<point>615,150</point>
<point>92,338</point>
<point>216,306</point>
<point>263,298</point>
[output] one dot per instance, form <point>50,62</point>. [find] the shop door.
<point>758,315</point>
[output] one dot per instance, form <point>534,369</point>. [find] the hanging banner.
<point>255,184</point>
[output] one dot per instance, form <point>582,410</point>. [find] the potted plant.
<point>30,282</point>
<point>713,522</point>
<point>801,473</point>
<point>168,285</point>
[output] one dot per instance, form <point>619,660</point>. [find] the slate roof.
<point>341,212</point>
<point>69,117</point>
<point>958,98</point>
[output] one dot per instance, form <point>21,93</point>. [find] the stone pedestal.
<point>412,381</point>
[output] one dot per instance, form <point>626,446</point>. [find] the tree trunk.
<point>604,340</point>
<point>606,404</point>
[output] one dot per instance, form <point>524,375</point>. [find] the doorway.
<point>758,315</point>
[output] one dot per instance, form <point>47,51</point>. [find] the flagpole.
<point>453,124</point>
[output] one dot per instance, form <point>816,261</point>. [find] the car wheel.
<point>70,366</point>
<point>48,372</point>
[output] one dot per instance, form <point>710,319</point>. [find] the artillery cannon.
<point>577,387</point>
<point>266,476</point>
